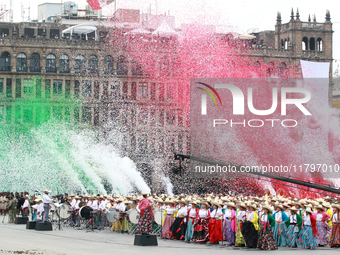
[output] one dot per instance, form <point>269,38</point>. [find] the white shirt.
<point>46,199</point>
<point>170,210</point>
<point>306,220</point>
<point>203,213</point>
<point>250,216</point>
<point>227,213</point>
<point>319,217</point>
<point>182,211</point>
<point>94,205</point>
<point>264,218</point>
<point>102,206</point>
<point>293,218</point>
<point>89,203</point>
<point>278,216</point>
<point>26,204</point>
<point>192,213</point>
<point>40,208</point>
<point>335,217</point>
<point>216,214</point>
<point>73,203</point>
<point>76,206</point>
<point>241,215</point>
<point>122,207</point>
<point>288,214</point>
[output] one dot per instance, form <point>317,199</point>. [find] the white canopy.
<point>164,30</point>
<point>138,30</point>
<point>81,29</point>
<point>245,37</point>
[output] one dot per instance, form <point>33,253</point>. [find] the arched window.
<point>270,69</point>
<point>35,63</point>
<point>51,63</point>
<point>21,62</point>
<point>108,65</point>
<point>5,62</point>
<point>80,64</point>
<point>93,64</point>
<point>319,44</point>
<point>305,43</point>
<point>286,44</point>
<point>121,66</point>
<point>282,44</point>
<point>64,64</point>
<point>136,67</point>
<point>312,43</point>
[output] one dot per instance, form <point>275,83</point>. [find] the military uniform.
<point>12,206</point>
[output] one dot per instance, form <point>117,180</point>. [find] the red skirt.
<point>215,230</point>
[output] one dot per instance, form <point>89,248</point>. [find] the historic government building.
<point>79,80</point>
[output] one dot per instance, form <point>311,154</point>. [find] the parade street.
<point>16,239</point>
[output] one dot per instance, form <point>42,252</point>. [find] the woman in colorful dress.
<point>241,217</point>
<point>266,239</point>
<point>308,231</point>
<point>335,235</point>
<point>229,223</point>
<point>179,227</point>
<point>280,229</point>
<point>250,227</point>
<point>168,219</point>
<point>294,224</point>
<point>192,215</point>
<point>215,223</point>
<point>145,225</point>
<point>322,226</point>
<point>201,227</point>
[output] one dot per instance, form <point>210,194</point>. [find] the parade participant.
<point>40,209</point>
<point>215,223</point>
<point>266,239</point>
<point>286,209</point>
<point>299,208</point>
<point>294,224</point>
<point>327,208</point>
<point>229,224</point>
<point>144,225</point>
<point>241,217</point>
<point>102,215</point>
<point>178,228</point>
<point>322,226</point>
<point>191,218</point>
<point>34,209</point>
<point>335,235</point>
<point>76,218</point>
<point>280,229</point>
<point>25,206</point>
<point>12,207</point>
<point>47,200</point>
<point>168,220</point>
<point>122,211</point>
<point>201,226</point>
<point>250,227</point>
<point>308,231</point>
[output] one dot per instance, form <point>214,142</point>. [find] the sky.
<point>227,15</point>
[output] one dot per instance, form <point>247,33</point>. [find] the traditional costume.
<point>335,235</point>
<point>144,225</point>
<point>322,227</point>
<point>201,227</point>
<point>280,229</point>
<point>179,227</point>
<point>308,231</point>
<point>294,224</point>
<point>168,221</point>
<point>229,224</point>
<point>250,228</point>
<point>215,224</point>
<point>241,217</point>
<point>266,239</point>
<point>192,215</point>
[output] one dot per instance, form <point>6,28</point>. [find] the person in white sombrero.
<point>266,239</point>
<point>335,235</point>
<point>145,225</point>
<point>47,200</point>
<point>280,228</point>
<point>308,231</point>
<point>294,224</point>
<point>322,226</point>
<point>250,227</point>
<point>229,223</point>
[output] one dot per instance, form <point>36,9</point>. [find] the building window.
<point>8,87</point>
<point>80,64</point>
<point>51,64</point>
<point>64,64</point>
<point>121,66</point>
<point>170,117</point>
<point>143,116</point>
<point>161,92</point>
<point>133,90</point>
<point>312,43</point>
<point>93,65</point>
<point>76,89</point>
<point>35,63</point>
<point>319,44</point>
<point>86,115</point>
<point>2,112</point>
<point>136,67</point>
<point>86,88</point>
<point>115,89</point>
<point>96,89</point>
<point>21,62</point>
<point>54,33</point>
<point>38,88</point>
<point>2,85</point>
<point>18,88</point>
<point>57,87</point>
<point>67,89</point>
<point>5,62</point>
<point>108,65</point>
<point>105,90</point>
<point>47,88</point>
<point>28,87</point>
<point>143,90</point>
<point>305,43</point>
<point>143,144</point>
<point>282,69</point>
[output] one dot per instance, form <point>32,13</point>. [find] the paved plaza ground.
<point>16,239</point>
